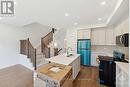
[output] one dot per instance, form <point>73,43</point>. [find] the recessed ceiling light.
<point>75,23</point>
<point>66,14</point>
<point>103,3</point>
<point>99,19</point>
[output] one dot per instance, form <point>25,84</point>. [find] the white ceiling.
<point>52,13</point>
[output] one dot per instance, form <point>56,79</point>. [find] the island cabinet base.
<point>75,68</point>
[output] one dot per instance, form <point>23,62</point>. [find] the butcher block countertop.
<point>16,76</point>
<point>58,76</point>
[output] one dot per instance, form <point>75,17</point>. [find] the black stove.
<point>107,68</point>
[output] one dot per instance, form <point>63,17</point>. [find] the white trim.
<point>116,8</point>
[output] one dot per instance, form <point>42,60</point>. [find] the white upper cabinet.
<point>84,34</point>
<point>107,35</point>
<point>98,37</point>
<point>103,36</point>
<point>110,39</point>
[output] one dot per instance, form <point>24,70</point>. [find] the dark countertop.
<point>107,58</point>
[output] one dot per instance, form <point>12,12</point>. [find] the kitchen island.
<point>73,61</point>
<point>55,75</point>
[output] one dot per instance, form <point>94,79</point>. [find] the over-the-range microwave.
<point>123,40</point>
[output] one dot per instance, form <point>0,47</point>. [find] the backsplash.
<point>110,49</point>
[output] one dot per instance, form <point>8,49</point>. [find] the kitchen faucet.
<point>69,48</point>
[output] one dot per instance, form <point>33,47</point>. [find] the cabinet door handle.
<point>100,70</point>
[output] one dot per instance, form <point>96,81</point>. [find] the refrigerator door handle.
<point>84,48</point>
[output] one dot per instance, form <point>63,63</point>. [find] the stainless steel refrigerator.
<point>84,49</point>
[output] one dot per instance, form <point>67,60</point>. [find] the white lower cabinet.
<point>39,83</point>
<point>75,67</point>
<point>121,78</point>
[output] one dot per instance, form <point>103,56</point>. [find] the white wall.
<point>23,60</point>
<point>9,45</point>
<point>122,27</point>
<point>71,39</point>
<point>59,38</point>
<point>35,31</point>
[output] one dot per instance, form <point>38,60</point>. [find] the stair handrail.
<point>59,51</point>
<point>53,30</point>
<point>43,45</point>
<point>27,48</point>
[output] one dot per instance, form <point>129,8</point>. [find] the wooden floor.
<point>16,76</point>
<point>88,77</point>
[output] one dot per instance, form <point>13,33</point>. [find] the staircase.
<point>45,42</point>
<point>43,50</point>
<point>27,49</point>
<point>40,57</point>
<point>37,56</point>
